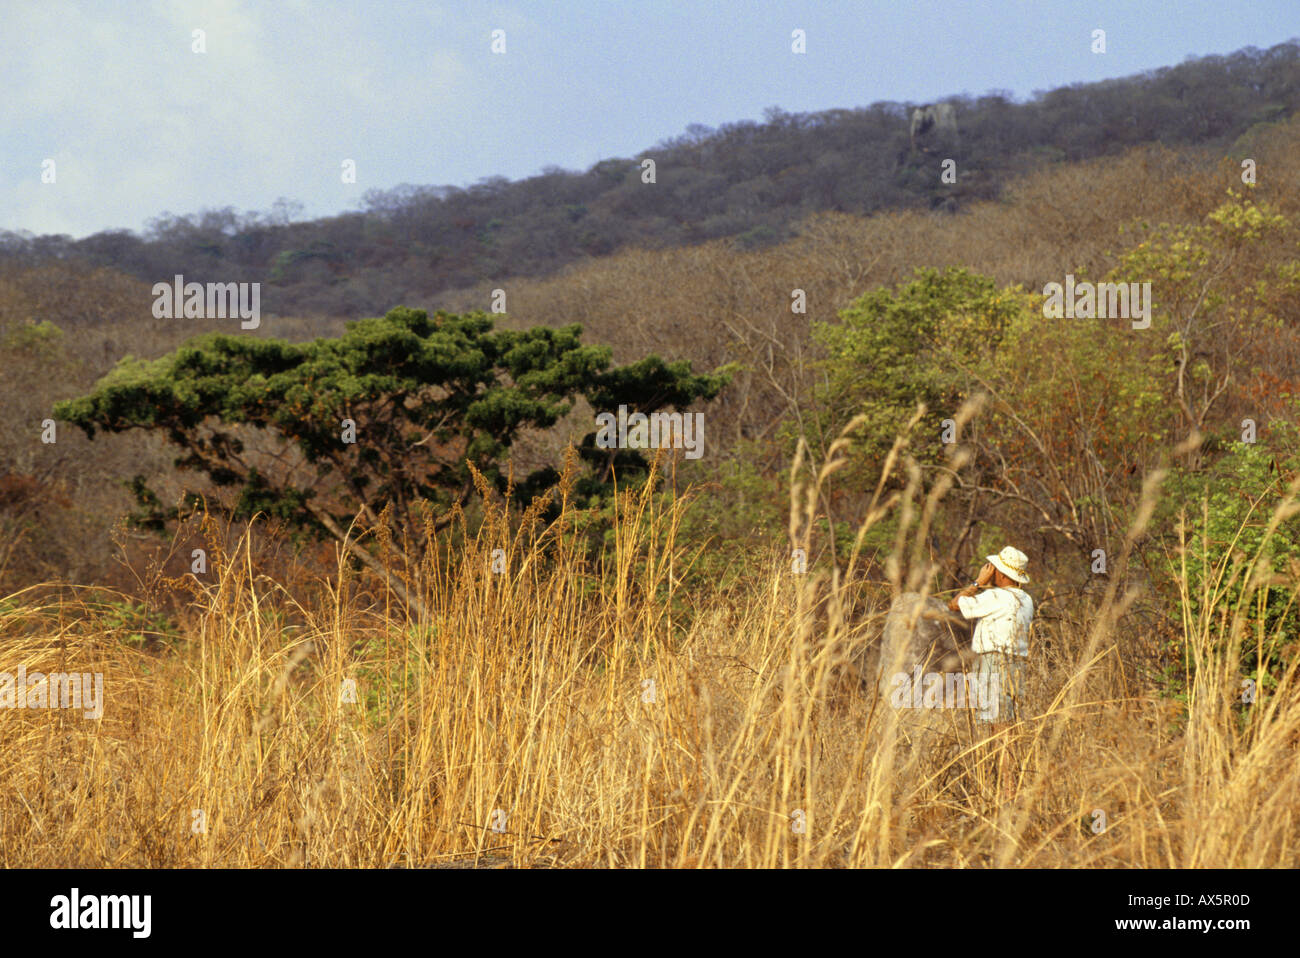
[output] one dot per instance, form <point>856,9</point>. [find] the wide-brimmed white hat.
<point>1011,561</point>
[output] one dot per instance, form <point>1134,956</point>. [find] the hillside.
<point>388,602</point>
<point>748,181</point>
<point>711,304</point>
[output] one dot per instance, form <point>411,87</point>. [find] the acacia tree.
<point>394,414</point>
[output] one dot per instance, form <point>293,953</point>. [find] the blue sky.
<point>138,124</point>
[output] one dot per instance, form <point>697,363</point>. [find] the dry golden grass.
<point>520,700</point>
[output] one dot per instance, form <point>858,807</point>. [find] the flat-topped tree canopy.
<point>398,410</point>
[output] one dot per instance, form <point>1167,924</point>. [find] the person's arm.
<point>986,574</point>
<point>969,590</point>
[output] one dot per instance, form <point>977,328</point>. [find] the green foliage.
<point>384,680</point>
<point>41,340</point>
<point>896,348</point>
<point>1229,508</point>
<point>1082,409</point>
<point>136,624</point>
<point>432,399</point>
<point>1175,258</point>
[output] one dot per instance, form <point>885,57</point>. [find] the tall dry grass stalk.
<point>556,712</point>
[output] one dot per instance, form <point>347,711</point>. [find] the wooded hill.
<point>747,180</point>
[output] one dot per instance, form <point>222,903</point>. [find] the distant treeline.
<point>747,180</point>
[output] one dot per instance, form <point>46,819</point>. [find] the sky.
<point>137,123</point>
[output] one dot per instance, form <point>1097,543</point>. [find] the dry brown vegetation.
<point>716,302</point>
<point>522,701</point>
<point>524,692</point>
<point>712,303</point>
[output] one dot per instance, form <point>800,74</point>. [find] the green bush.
<point>1229,508</point>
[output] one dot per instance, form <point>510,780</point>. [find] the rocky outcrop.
<point>915,634</point>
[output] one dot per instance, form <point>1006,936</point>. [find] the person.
<point>1003,613</point>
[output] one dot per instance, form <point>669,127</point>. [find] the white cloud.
<point>282,94</point>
